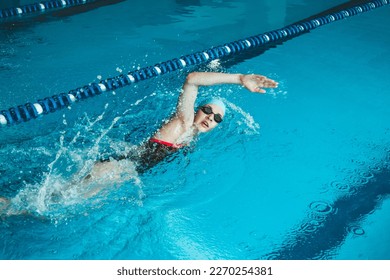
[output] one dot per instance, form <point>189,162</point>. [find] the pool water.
<point>301,172</point>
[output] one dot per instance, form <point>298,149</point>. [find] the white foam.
<point>248,119</point>
<point>214,64</point>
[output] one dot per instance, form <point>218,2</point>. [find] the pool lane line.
<point>40,7</point>
<point>32,110</point>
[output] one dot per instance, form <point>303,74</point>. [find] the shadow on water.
<point>328,225</point>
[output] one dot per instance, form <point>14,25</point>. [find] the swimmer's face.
<point>206,122</point>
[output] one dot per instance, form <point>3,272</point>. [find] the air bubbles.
<point>99,77</point>
<point>119,70</point>
<point>321,207</point>
<point>64,120</point>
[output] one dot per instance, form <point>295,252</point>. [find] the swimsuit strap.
<point>168,144</point>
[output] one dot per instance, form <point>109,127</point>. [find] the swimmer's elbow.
<point>192,78</point>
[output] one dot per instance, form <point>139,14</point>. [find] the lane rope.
<point>40,7</point>
<point>33,110</point>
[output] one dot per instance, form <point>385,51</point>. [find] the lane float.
<point>32,110</point>
<point>40,7</point>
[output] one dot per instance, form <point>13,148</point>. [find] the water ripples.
<point>321,207</point>
<point>319,210</point>
<point>310,226</point>
<point>356,230</point>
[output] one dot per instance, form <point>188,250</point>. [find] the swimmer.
<point>185,124</point>
<point>176,133</point>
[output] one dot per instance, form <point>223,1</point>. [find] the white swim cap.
<point>218,102</point>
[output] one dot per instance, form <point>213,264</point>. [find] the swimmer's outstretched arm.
<point>252,82</point>
<point>185,107</point>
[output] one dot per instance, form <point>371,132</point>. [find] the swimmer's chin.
<point>199,128</point>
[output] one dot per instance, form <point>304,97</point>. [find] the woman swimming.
<point>185,123</point>
<point>176,133</point>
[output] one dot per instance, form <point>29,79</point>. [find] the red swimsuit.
<point>168,144</point>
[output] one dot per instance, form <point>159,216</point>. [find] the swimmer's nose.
<point>210,117</point>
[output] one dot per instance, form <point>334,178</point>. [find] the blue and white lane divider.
<point>32,110</point>
<point>40,7</point>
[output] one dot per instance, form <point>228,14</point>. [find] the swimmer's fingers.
<point>265,82</point>
<point>256,83</point>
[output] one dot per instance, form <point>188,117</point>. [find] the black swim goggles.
<point>207,110</point>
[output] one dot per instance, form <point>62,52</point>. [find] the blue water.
<point>301,172</point>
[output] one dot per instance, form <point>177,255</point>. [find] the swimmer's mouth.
<point>205,124</point>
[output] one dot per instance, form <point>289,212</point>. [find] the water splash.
<point>251,126</point>
<point>63,186</point>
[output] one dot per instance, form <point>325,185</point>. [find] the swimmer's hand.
<point>256,83</point>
